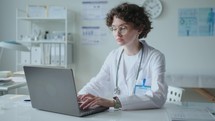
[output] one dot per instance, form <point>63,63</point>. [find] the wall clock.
<point>153,7</point>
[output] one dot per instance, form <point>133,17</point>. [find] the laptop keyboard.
<point>93,110</point>
<point>87,112</point>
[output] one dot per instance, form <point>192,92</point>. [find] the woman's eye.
<point>123,28</point>
<point>114,29</point>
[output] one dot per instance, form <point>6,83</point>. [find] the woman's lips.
<point>118,39</point>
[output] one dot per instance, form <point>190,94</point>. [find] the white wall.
<point>7,31</point>
<point>184,55</point>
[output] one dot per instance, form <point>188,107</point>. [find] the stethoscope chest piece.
<point>117,91</point>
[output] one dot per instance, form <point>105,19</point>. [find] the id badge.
<point>141,88</point>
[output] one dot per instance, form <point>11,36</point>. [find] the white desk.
<point>200,83</point>
<point>14,108</point>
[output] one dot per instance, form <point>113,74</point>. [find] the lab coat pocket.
<point>140,88</point>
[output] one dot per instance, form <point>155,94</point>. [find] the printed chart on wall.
<point>91,35</point>
<point>93,11</point>
<point>196,22</point>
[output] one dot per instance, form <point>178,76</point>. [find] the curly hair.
<point>131,13</point>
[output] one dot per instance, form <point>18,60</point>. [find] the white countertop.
<point>14,108</point>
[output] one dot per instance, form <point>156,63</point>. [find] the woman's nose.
<point>118,33</point>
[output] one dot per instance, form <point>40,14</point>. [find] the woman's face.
<point>123,32</point>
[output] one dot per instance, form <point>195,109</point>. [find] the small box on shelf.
<point>57,12</point>
<point>37,11</point>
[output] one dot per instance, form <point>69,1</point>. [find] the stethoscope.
<point>117,89</point>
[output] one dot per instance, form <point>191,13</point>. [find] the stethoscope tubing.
<point>117,89</point>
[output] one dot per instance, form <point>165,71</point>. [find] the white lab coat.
<point>152,69</point>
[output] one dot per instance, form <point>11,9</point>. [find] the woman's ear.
<point>140,29</point>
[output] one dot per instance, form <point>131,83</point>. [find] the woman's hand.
<point>89,101</point>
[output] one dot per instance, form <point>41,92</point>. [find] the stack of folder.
<point>5,78</point>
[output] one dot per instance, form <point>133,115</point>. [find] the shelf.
<point>46,41</point>
<point>38,19</point>
<point>47,65</point>
<point>49,40</point>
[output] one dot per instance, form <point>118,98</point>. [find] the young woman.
<point>133,74</point>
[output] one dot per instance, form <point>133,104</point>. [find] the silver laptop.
<point>53,89</point>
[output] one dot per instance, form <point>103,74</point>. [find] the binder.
<point>36,55</point>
